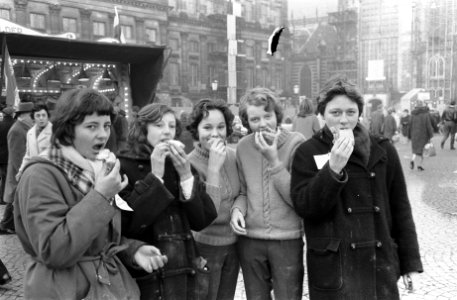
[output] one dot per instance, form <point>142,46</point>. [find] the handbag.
<point>5,276</point>
<point>429,150</point>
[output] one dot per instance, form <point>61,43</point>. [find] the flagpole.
<point>3,64</point>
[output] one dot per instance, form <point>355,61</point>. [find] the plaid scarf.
<point>82,179</point>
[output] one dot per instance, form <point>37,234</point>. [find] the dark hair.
<point>71,109</point>
<point>201,110</point>
<point>150,113</point>
<point>259,97</point>
<point>38,107</point>
<point>452,103</point>
<point>339,85</point>
<point>306,108</point>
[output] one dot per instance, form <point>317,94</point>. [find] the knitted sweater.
<point>219,232</point>
<point>264,198</point>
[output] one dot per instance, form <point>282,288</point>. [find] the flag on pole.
<point>12,93</point>
<point>117,27</point>
<point>273,40</point>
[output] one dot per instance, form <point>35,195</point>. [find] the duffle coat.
<point>74,240</point>
<point>163,218</point>
<point>359,230</point>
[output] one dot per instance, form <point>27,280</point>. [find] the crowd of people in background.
<point>161,206</point>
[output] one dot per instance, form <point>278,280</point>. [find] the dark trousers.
<point>3,168</point>
<point>224,266</point>
<point>7,221</point>
<point>449,128</point>
<point>272,264</point>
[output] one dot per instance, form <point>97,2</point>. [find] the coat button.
<point>372,175</point>
<point>378,244</point>
<point>353,246</point>
<point>349,210</point>
<point>140,167</point>
<point>376,209</point>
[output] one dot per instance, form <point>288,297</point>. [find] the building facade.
<point>195,31</point>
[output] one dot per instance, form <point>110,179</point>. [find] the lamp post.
<point>296,91</point>
<point>214,87</point>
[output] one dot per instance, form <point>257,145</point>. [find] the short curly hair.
<point>150,113</point>
<point>71,109</point>
<point>201,110</point>
<point>260,97</point>
<point>335,86</point>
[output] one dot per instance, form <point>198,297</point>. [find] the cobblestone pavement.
<point>433,195</point>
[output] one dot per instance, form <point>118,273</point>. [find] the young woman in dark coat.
<point>168,201</point>
<point>350,190</point>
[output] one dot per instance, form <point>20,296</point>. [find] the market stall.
<point>46,66</point>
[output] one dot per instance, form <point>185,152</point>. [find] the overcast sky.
<point>307,8</point>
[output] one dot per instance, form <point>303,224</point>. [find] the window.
<point>174,74</point>
<point>211,47</point>
<point>249,78</point>
<point>151,35</point>
<point>193,46</point>
<point>37,21</point>
<point>249,51</point>
<point>174,44</point>
<point>212,74</point>
<point>98,28</point>
<point>248,12</point>
<point>194,75</point>
<point>4,13</point>
<point>127,30</point>
<point>69,24</point>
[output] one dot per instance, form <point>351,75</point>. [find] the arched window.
<point>440,67</point>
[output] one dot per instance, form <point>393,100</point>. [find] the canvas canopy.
<point>145,63</point>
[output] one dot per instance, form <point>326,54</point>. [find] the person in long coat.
<point>67,215</point>
<point>168,201</point>
<point>420,133</point>
<point>377,122</point>
<point>348,186</point>
<point>5,126</point>
<point>390,125</point>
<point>16,150</point>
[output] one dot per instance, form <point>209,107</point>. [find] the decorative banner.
<point>12,93</point>
<point>117,27</point>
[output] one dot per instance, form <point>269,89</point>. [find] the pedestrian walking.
<point>405,121</point>
<point>448,119</point>
<point>390,125</point>
<point>38,137</point>
<point>210,125</point>
<point>66,218</point>
<point>17,139</point>
<point>5,126</point>
<point>377,122</point>
<point>348,186</point>
<point>168,201</point>
<point>306,121</point>
<point>270,244</point>
<point>420,133</point>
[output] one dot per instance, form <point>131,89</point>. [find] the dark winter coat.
<point>404,122</point>
<point>377,123</point>
<point>359,229</point>
<point>17,140</point>
<point>420,129</point>
<point>390,126</point>
<point>161,217</point>
<point>5,126</point>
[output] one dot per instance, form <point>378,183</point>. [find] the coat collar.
<point>377,152</point>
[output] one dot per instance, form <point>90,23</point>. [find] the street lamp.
<point>214,87</point>
<point>296,91</point>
